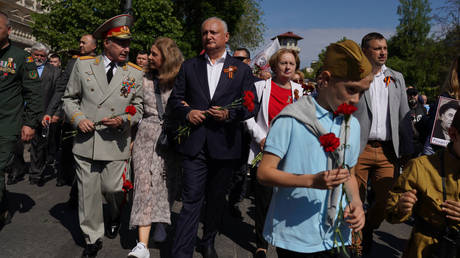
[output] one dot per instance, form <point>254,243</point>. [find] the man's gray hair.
<point>6,18</point>
<point>218,19</point>
<point>40,47</point>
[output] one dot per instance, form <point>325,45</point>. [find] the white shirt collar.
<point>219,60</point>
<point>107,61</point>
<point>382,71</point>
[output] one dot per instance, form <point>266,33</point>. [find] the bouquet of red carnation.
<point>246,101</point>
<point>127,185</point>
<point>346,110</point>
<point>330,143</point>
<point>130,110</point>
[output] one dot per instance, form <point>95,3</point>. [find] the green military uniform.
<point>101,155</point>
<point>19,84</point>
<point>423,174</point>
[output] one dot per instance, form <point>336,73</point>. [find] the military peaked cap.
<point>115,27</point>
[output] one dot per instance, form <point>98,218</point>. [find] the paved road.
<point>43,225</point>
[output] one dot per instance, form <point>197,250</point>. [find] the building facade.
<point>289,40</point>
<point>19,12</point>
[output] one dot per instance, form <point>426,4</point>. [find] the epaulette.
<point>135,66</point>
<point>75,56</point>
<point>86,57</point>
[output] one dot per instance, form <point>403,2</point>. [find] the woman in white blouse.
<point>274,94</point>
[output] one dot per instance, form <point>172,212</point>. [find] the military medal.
<point>7,67</point>
<point>126,86</point>
<point>33,74</point>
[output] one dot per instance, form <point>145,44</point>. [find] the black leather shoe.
<point>209,252</point>
<point>41,182</point>
<point>111,230</point>
<point>92,249</point>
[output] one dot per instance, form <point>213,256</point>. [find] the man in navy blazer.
<point>212,150</point>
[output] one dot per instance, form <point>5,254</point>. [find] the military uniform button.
<point>112,109</point>
<point>92,89</point>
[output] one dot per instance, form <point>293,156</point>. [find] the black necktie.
<point>110,72</point>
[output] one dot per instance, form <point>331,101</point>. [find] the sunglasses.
<point>241,58</point>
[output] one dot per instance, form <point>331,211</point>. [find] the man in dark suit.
<point>65,170</point>
<point>40,154</point>
<point>211,151</point>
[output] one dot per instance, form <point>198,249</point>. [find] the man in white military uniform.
<point>99,89</point>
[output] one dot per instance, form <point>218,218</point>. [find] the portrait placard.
<point>445,112</point>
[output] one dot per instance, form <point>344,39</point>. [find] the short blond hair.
<point>275,58</point>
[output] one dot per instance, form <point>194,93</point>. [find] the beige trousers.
<point>98,182</point>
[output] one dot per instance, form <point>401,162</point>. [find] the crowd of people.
<point>324,157</point>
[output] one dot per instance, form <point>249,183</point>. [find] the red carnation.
<point>127,185</point>
<point>248,99</point>
<point>345,109</point>
<point>329,142</point>
<point>130,110</point>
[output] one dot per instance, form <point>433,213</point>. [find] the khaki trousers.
<point>377,163</point>
<point>98,180</point>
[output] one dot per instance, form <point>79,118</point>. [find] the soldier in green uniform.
<point>99,89</point>
<point>19,85</point>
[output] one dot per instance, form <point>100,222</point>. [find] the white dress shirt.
<point>380,127</point>
<point>214,71</point>
<point>107,65</point>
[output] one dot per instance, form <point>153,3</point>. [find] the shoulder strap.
<point>159,103</point>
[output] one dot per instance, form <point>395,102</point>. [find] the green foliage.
<point>242,18</point>
<point>413,28</point>
<point>249,28</point>
<point>67,20</point>
<point>180,20</point>
<point>155,18</point>
<point>423,60</point>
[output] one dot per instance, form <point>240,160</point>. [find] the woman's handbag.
<point>163,143</point>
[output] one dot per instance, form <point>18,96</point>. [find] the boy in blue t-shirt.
<point>303,214</point>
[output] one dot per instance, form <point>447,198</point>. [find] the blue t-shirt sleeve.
<point>355,134</point>
<point>279,137</point>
